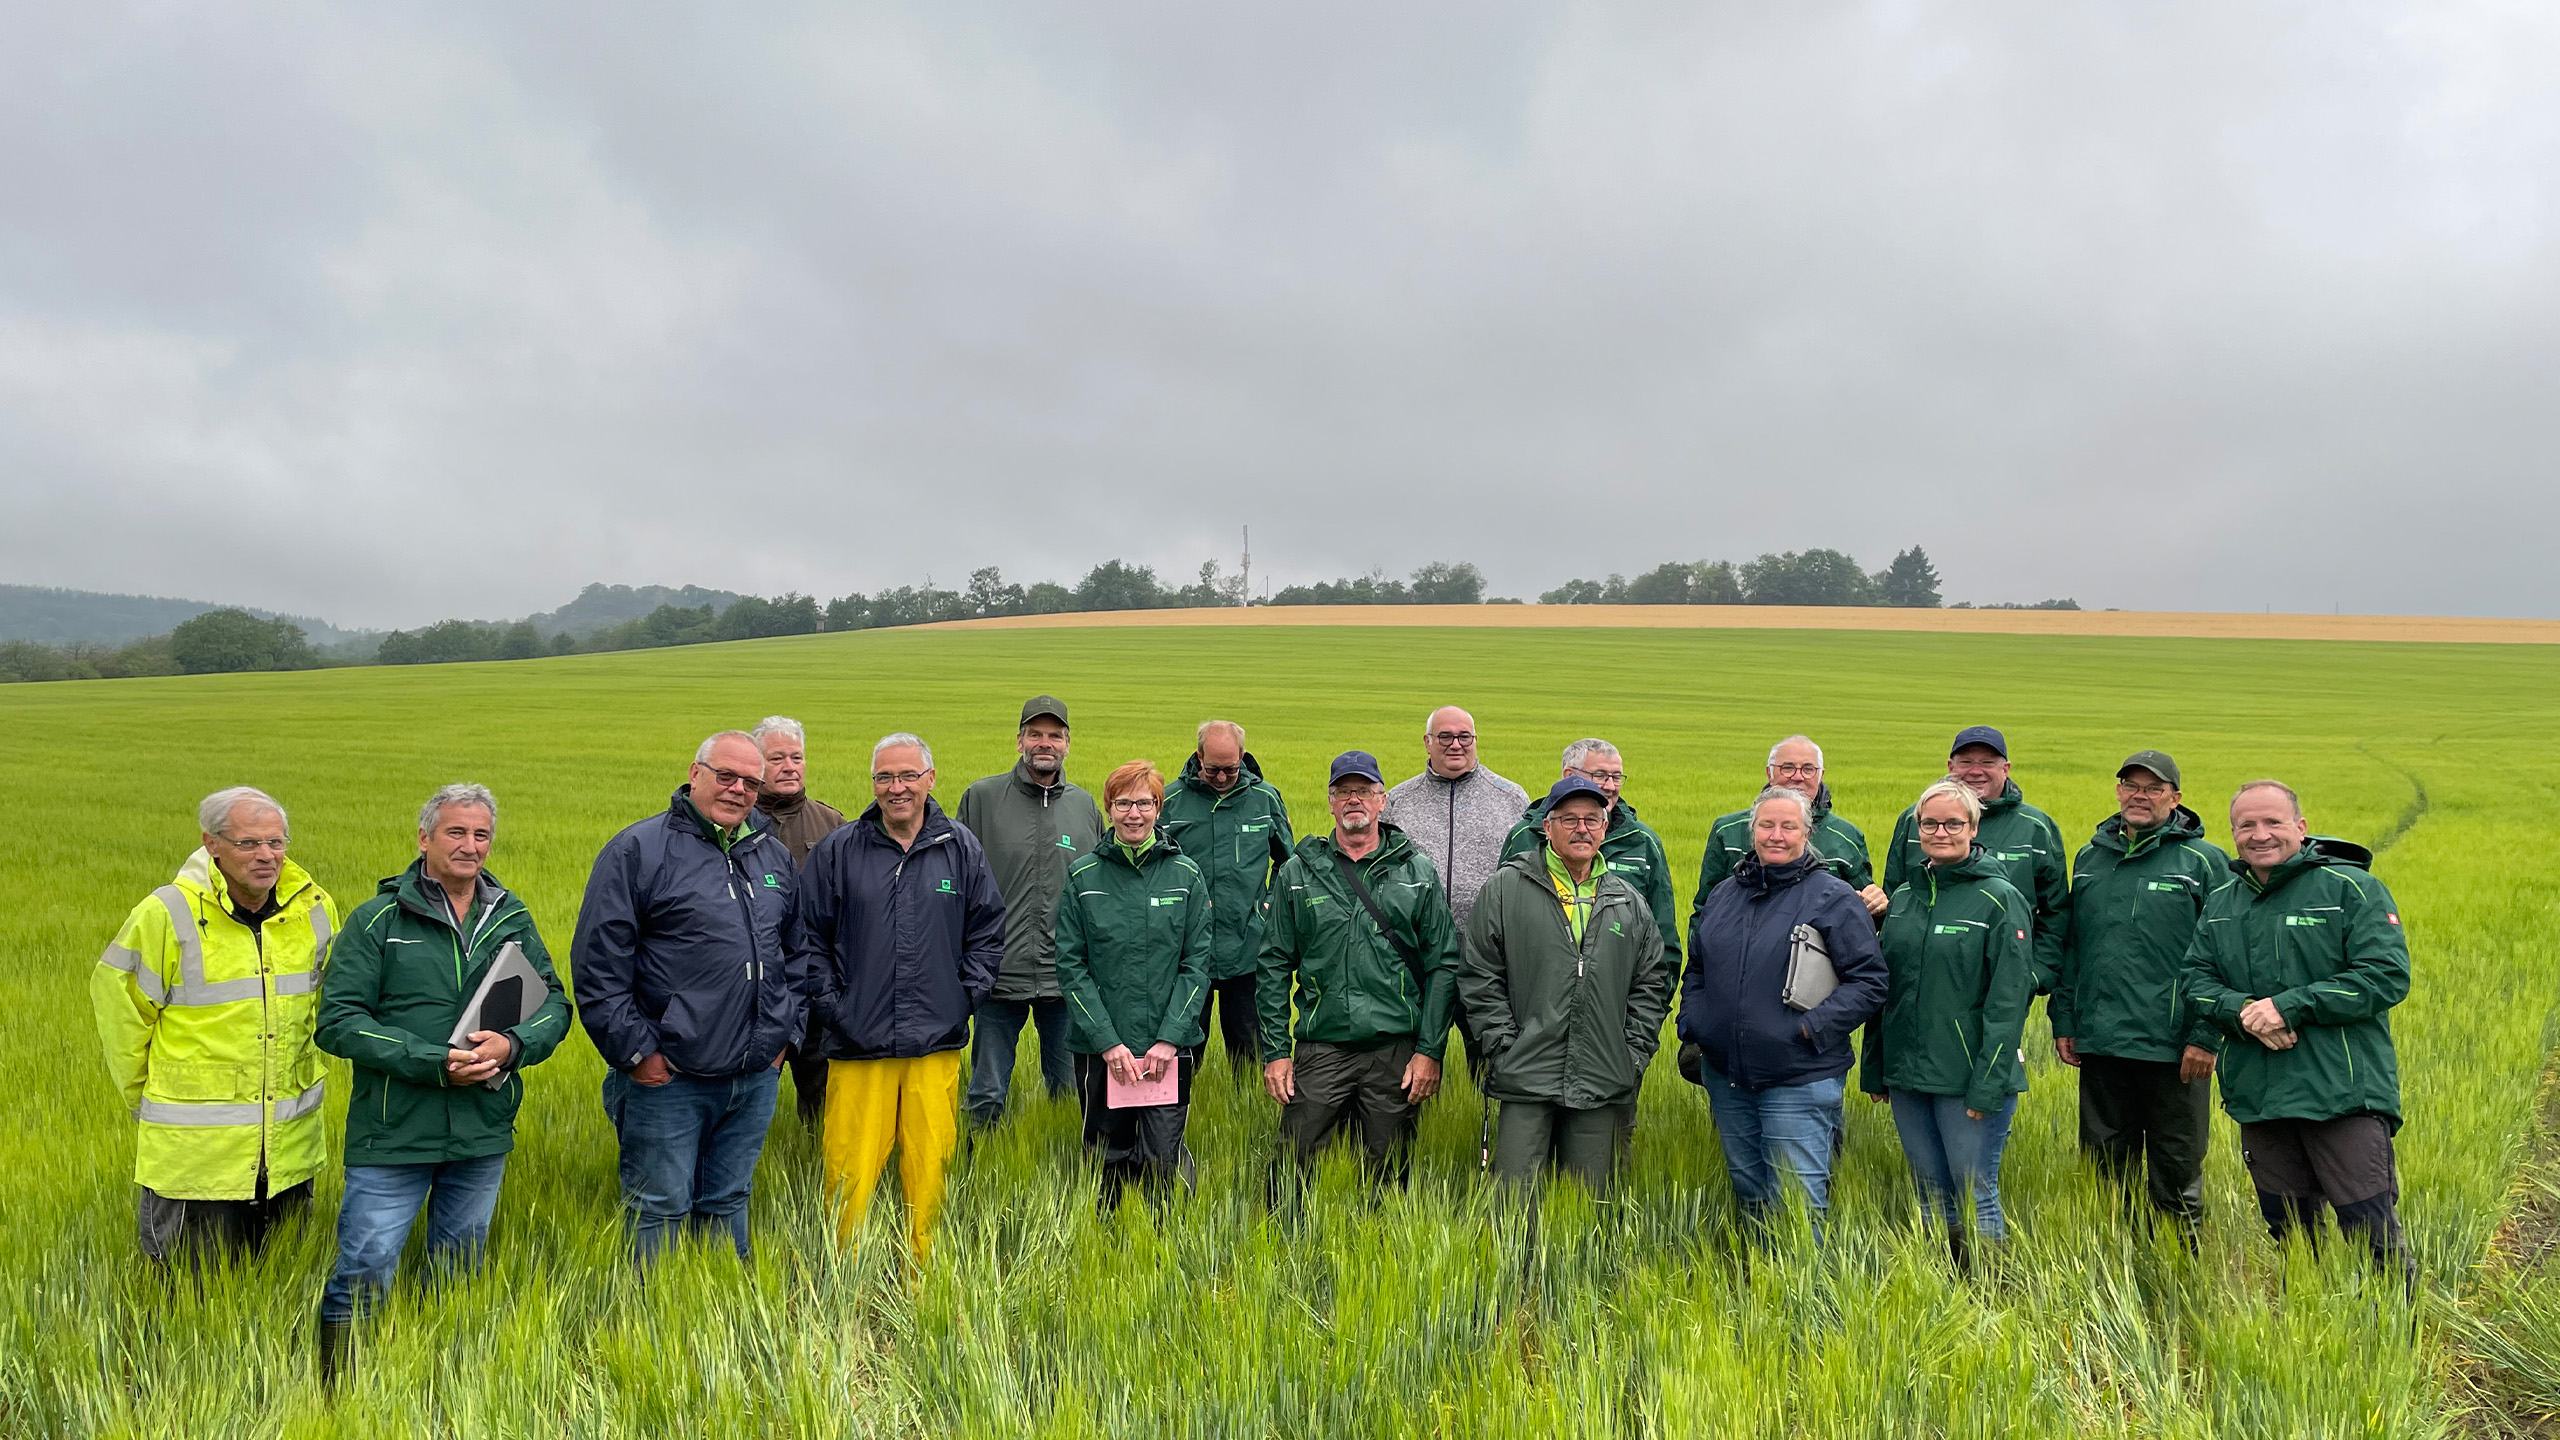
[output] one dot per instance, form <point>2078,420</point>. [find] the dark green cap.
<point>1039,705</point>
<point>2155,761</point>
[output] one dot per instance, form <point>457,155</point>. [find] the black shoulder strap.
<point>1369,902</point>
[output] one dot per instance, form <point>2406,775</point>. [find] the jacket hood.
<point>782,804</point>
<point>2182,824</point>
<point>2010,798</point>
<point>1755,875</point>
<point>1108,848</point>
<point>199,875</point>
<point>1977,865</point>
<point>2317,851</point>
<point>1191,774</point>
<point>418,892</point>
<point>1821,802</point>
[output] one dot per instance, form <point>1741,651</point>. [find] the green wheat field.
<point>1448,1311</point>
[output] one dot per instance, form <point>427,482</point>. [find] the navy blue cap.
<point>1980,735</point>
<point>1355,765</point>
<point>1572,785</point>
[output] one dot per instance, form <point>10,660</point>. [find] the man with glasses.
<point>2016,836</point>
<point>1795,763</point>
<point>1033,822</point>
<point>205,1002</point>
<point>2138,891</point>
<point>1633,851</point>
<point>1562,973</point>
<point>904,928</point>
<point>1235,827</point>
<point>684,982</point>
<point>1458,813</point>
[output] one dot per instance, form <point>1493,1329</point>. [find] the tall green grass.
<point>1449,1310</point>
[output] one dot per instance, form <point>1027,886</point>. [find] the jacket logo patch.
<point>1614,930</point>
<point>2165,885</point>
<point>945,889</point>
<point>2306,919</point>
<point>1155,900</point>
<point>1066,842</point>
<point>1252,827</point>
<point>771,881</point>
<point>1947,929</point>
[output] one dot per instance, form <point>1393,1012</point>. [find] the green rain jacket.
<point>1351,987</point>
<point>1634,853</point>
<point>2322,939</point>
<point>1239,840</point>
<point>2136,899</point>
<point>1956,942</point>
<point>2027,846</point>
<point>399,976</point>
<point>1133,947</point>
<point>1563,1023</point>
<point>1031,833</point>
<point>1842,846</point>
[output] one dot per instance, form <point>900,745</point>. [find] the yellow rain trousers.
<point>874,1105</point>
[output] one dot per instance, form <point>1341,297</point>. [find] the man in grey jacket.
<point>1458,813</point>
<point>1032,823</point>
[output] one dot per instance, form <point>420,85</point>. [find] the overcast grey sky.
<point>390,313</point>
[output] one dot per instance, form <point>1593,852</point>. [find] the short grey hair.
<point>777,725</point>
<point>1581,750</point>
<point>1955,789</point>
<point>897,738</point>
<point>702,753</point>
<point>1792,797</point>
<point>1213,727</point>
<point>213,817</point>
<point>1792,740</point>
<point>2278,786</point>
<point>461,792</point>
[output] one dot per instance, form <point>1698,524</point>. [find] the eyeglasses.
<point>2153,791</point>
<point>1132,806</point>
<point>730,779</point>
<point>1791,768</point>
<point>253,846</point>
<point>1944,827</point>
<point>1603,777</point>
<point>1583,822</point>
<point>1221,769</point>
<point>896,777</point>
<point>1454,739</point>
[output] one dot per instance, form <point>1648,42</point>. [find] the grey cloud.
<point>2187,306</point>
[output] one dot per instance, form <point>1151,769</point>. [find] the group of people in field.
<point>750,926</point>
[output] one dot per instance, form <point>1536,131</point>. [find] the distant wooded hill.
<point>601,607</point>
<point>65,617</point>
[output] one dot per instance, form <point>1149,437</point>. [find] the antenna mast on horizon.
<point>1248,564</point>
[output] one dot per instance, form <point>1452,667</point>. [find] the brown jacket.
<point>799,822</point>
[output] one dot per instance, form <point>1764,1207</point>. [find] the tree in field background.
<point>225,641</point>
<point>1909,581</point>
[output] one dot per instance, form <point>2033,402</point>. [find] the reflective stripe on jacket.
<point>207,1028</point>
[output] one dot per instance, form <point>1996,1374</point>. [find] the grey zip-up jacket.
<point>1032,833</point>
<point>1461,824</point>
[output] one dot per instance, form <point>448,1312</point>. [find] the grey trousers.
<point>198,1230</point>
<point>1582,1143</point>
<point>1360,1090</point>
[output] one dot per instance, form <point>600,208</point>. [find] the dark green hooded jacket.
<point>1133,947</point>
<point>2136,899</point>
<point>1239,840</point>
<point>1031,832</point>
<point>1956,942</point>
<point>1837,841</point>
<point>1634,853</point>
<point>399,975</point>
<point>2322,939</point>
<point>1563,1023</point>
<point>2027,846</point>
<point>1351,987</point>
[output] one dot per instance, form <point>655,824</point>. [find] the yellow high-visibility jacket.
<point>207,1025</point>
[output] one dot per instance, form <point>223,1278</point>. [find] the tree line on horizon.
<point>233,640</point>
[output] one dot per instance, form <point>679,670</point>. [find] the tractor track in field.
<point>2411,813</point>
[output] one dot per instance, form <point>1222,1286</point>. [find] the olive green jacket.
<point>2136,898</point>
<point>2028,848</point>
<point>1957,947</point>
<point>1634,853</point>
<point>1239,840</point>
<point>1350,986</point>
<point>1563,1023</point>
<point>1133,948</point>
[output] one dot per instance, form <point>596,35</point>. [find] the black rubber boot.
<point>1960,1250</point>
<point>334,1359</point>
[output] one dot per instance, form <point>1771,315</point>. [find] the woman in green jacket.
<point>1956,941</point>
<point>1133,965</point>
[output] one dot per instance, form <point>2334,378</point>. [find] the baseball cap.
<point>1572,785</point>
<point>2155,761</point>
<point>1980,735</point>
<point>1039,705</point>
<point>1355,765</point>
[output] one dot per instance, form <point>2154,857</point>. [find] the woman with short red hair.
<point>1133,964</point>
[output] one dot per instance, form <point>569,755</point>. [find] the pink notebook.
<point>1165,1089</point>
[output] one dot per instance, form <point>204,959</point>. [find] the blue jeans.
<point>383,1202</point>
<point>1783,1129</point>
<point>689,1152</point>
<point>993,1039</point>
<point>1950,1154</point>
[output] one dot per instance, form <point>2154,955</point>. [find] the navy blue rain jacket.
<point>902,943</point>
<point>1730,996</point>
<point>681,947</point>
